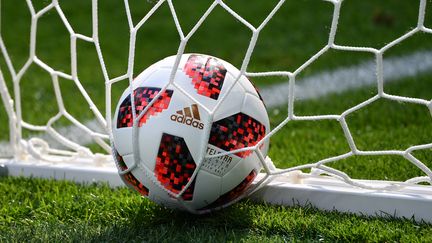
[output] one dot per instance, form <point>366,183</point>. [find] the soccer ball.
<point>184,125</point>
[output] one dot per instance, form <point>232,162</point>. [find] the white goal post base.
<point>292,189</point>
<point>330,194</point>
<point>81,171</point>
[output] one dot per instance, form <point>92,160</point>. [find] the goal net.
<point>72,146</point>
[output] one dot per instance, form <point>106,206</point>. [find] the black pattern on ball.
<point>236,132</point>
<point>175,165</point>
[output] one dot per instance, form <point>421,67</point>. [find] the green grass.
<point>43,210</point>
<point>382,125</point>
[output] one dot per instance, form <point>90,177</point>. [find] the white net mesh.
<point>100,129</point>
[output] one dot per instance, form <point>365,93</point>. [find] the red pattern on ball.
<point>128,177</point>
<point>142,97</point>
<point>236,132</point>
<point>175,165</point>
<point>207,73</point>
<point>234,193</point>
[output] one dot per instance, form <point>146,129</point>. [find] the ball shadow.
<point>151,222</point>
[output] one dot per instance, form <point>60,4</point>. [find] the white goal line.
<point>350,78</point>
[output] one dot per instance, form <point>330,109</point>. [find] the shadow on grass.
<point>156,223</point>
<point>249,221</point>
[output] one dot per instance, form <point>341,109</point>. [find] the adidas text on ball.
<point>171,157</point>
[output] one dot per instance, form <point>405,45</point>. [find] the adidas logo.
<point>189,116</point>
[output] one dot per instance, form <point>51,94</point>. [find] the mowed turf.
<point>42,210</point>
<point>55,210</point>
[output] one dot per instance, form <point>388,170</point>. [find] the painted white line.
<point>349,78</point>
<point>312,87</point>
